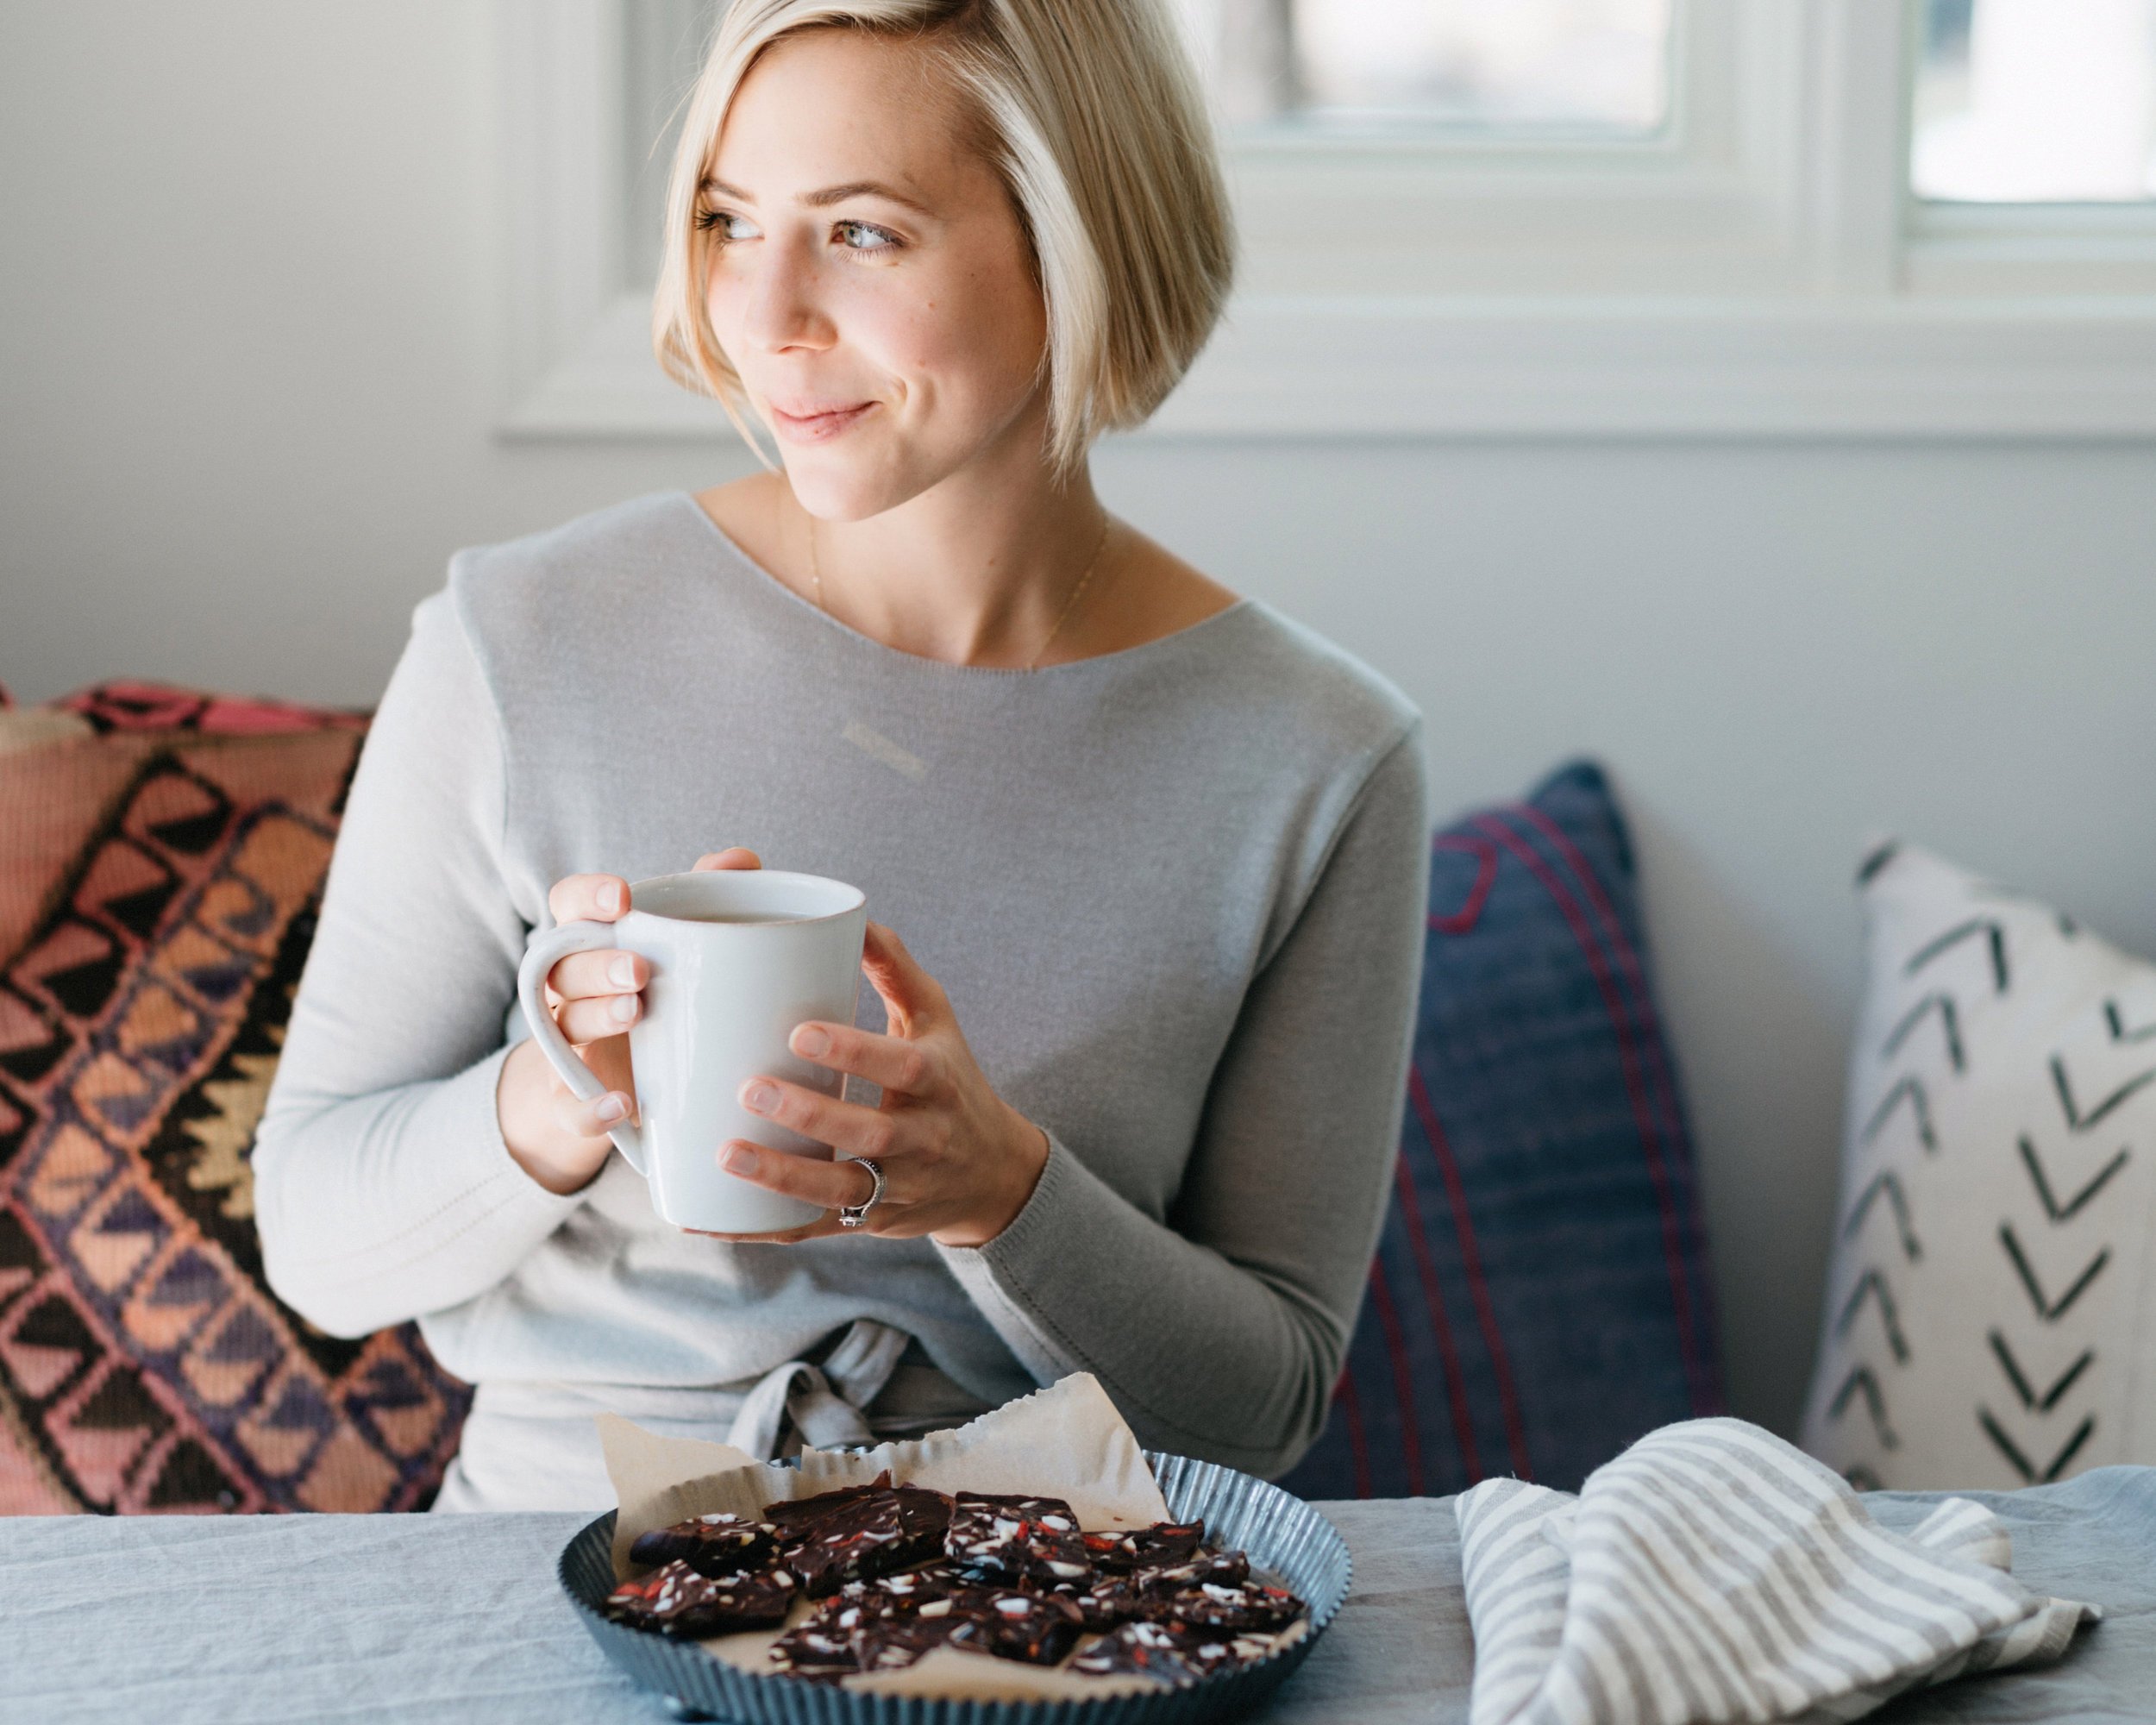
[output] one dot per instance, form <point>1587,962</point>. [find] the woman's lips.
<point>816,425</point>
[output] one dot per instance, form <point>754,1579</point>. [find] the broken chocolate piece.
<point>1121,1552</point>
<point>1108,1601</point>
<point>889,1529</point>
<point>711,1545</point>
<point>1036,1627</point>
<point>676,1600</point>
<point>890,1597</point>
<point>792,1516</point>
<point>850,1630</point>
<point>815,1652</point>
<point>1006,1540</point>
<point>1222,1653</point>
<point>1224,1568</point>
<point>897,1642</point>
<point>1211,1609</point>
<point>1169,1652</point>
<point>1115,1599</point>
<point>1140,1649</point>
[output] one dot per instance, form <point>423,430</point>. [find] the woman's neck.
<point>968,573</point>
<point>981,574</point>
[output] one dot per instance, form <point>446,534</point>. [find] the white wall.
<point>246,308</point>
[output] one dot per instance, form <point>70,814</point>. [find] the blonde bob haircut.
<point>1091,113</point>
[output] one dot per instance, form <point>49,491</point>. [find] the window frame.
<point>1757,268</point>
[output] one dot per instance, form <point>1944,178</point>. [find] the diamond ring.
<point>852,1216</point>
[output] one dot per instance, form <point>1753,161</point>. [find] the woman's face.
<point>869,279</point>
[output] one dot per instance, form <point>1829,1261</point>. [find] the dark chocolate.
<point>711,1545</point>
<point>790,1516</point>
<point>903,1595</point>
<point>1169,1652</point>
<point>1223,1568</point>
<point>1141,1650</point>
<point>1038,1628</point>
<point>1124,1551</point>
<point>877,1534</point>
<point>1106,1602</point>
<point>676,1600</point>
<point>895,1643</point>
<point>815,1651</point>
<point>1010,1540</point>
<point>1249,1608</point>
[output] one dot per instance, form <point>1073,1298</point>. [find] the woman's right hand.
<point>556,1136</point>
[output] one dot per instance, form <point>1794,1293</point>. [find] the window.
<point>2036,101</point>
<point>1515,216</point>
<point>1591,67</point>
<point>662,43</point>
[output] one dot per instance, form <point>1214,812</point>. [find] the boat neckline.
<point>1122,655</point>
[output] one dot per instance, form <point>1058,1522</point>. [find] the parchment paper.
<point>1065,1441</point>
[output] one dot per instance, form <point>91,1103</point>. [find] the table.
<point>459,1618</point>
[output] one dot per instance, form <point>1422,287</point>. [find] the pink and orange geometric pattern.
<point>144,1365</point>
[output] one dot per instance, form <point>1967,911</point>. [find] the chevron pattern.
<point>144,1363</point>
<point>1995,1217</point>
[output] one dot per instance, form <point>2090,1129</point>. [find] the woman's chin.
<point>847,490</point>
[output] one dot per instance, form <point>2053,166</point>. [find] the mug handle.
<point>549,949</point>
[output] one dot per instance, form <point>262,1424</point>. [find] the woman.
<point>1157,852</point>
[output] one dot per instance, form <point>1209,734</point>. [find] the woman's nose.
<point>785,308</point>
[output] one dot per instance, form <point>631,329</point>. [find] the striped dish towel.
<point>1714,1572</point>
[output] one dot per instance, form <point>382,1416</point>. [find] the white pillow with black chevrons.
<point>1990,1319</point>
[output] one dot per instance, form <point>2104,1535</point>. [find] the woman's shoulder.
<point>649,541</point>
<point>1290,694</point>
<point>1261,675</point>
<point>1326,676</point>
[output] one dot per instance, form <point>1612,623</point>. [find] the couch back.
<point>161,854</point>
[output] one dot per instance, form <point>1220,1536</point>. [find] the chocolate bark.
<point>676,1600</point>
<point>1250,1608</point>
<point>1038,1628</point>
<point>1123,1551</point>
<point>890,1530</point>
<point>1005,1541</point>
<point>713,1545</point>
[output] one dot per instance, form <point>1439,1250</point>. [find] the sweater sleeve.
<point>383,1187</point>
<point>1220,1334</point>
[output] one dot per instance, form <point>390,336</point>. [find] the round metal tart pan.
<point>1282,1535</point>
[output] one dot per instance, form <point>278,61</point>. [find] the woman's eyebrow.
<point>828,195</point>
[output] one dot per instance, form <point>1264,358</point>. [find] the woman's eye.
<point>865,237</point>
<point>723,225</point>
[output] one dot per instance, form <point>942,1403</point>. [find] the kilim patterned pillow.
<point>1540,1297</point>
<point>1989,1309</point>
<point>160,855</point>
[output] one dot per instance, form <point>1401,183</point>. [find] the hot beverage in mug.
<point>738,959</point>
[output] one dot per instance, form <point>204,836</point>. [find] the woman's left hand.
<point>958,1161</point>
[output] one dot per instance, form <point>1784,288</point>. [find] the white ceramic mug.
<point>738,957</point>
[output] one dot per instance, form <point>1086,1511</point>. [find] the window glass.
<point>1533,66</point>
<point>2036,101</point>
<point>662,50</point>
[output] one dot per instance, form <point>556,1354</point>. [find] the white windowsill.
<point>1286,367</point>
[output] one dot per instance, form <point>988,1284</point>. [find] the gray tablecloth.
<point>459,1618</point>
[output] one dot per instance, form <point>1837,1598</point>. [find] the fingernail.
<point>760,1097</point>
<point>808,1042</point>
<point>624,1009</point>
<point>610,896</point>
<point>610,1107</point>
<point>622,973</point>
<point>737,1158</point>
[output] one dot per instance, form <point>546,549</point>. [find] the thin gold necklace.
<point>816,579</point>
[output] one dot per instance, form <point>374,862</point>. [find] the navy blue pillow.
<point>1540,1295</point>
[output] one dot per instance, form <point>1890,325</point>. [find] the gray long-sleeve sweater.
<point>1174,894</point>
